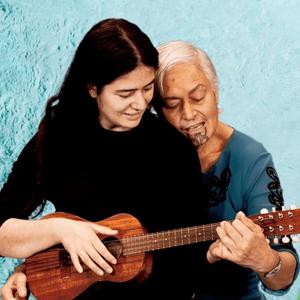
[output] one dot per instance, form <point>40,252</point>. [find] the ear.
<point>216,97</point>
<point>92,90</point>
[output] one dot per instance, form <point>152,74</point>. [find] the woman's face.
<point>190,103</point>
<point>123,102</point>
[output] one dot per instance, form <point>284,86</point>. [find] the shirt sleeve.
<point>19,195</point>
<point>263,190</point>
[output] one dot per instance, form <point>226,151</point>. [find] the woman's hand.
<point>80,239</point>
<point>15,287</point>
<point>243,243</point>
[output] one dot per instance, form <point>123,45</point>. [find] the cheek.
<point>171,117</point>
<point>149,98</point>
<point>211,113</point>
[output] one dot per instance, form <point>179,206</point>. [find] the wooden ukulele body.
<point>51,275</point>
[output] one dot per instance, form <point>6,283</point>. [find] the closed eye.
<point>171,104</point>
<point>149,87</point>
<point>198,99</point>
<point>125,94</point>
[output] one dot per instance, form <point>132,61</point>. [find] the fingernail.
<point>114,261</point>
<point>109,270</point>
<point>100,273</point>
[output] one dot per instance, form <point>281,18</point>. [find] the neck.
<point>210,152</point>
<point>169,239</point>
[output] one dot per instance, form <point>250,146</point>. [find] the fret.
<point>175,238</point>
<point>169,239</point>
<point>155,241</point>
<point>199,234</point>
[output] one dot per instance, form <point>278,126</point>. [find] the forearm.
<point>22,238</point>
<point>285,276</point>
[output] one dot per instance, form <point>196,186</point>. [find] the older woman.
<point>239,174</point>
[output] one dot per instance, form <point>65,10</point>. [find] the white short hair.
<point>175,52</point>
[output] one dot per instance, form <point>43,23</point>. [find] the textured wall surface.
<point>255,45</point>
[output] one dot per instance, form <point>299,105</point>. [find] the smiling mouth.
<point>194,128</point>
<point>132,115</point>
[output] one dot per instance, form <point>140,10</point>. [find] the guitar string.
<point>136,244</point>
<point>168,239</point>
<point>158,240</point>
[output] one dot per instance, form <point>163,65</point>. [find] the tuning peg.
<point>293,206</point>
<point>273,208</point>
<point>285,239</point>
<point>276,240</point>
<point>264,211</point>
<point>295,238</point>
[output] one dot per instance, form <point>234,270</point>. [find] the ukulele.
<point>52,276</point>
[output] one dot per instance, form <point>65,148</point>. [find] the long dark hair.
<point>111,48</point>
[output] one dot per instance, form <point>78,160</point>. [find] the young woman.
<point>99,151</point>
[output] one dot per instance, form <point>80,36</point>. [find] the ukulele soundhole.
<point>114,246</point>
<point>65,264</point>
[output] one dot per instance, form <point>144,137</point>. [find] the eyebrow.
<point>190,92</point>
<point>131,90</point>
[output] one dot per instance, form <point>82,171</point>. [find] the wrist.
<point>53,226</point>
<point>275,270</point>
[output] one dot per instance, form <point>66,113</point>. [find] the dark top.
<point>151,172</point>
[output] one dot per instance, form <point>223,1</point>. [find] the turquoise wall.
<point>255,45</point>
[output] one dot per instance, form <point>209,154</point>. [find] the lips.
<point>194,128</point>
<point>133,116</point>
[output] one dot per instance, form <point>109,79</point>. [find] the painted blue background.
<point>254,44</point>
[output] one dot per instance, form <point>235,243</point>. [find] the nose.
<point>187,111</point>
<point>139,102</point>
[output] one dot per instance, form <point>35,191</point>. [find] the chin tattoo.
<point>199,139</point>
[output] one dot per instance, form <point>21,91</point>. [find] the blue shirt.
<point>243,179</point>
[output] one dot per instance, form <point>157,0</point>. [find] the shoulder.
<point>163,132</point>
<point>245,147</point>
<point>166,140</point>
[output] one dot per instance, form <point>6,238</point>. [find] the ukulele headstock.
<point>279,224</point>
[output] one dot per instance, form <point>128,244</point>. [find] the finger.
<point>248,222</point>
<point>241,228</point>
<point>103,229</point>
<point>209,254</point>
<point>21,285</point>
<point>221,251</point>
<point>8,292</point>
<point>214,244</point>
<point>95,256</point>
<point>18,297</point>
<point>102,250</point>
<point>76,262</point>
<point>232,232</point>
<point>90,264</point>
<point>225,238</point>
<point>211,258</point>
